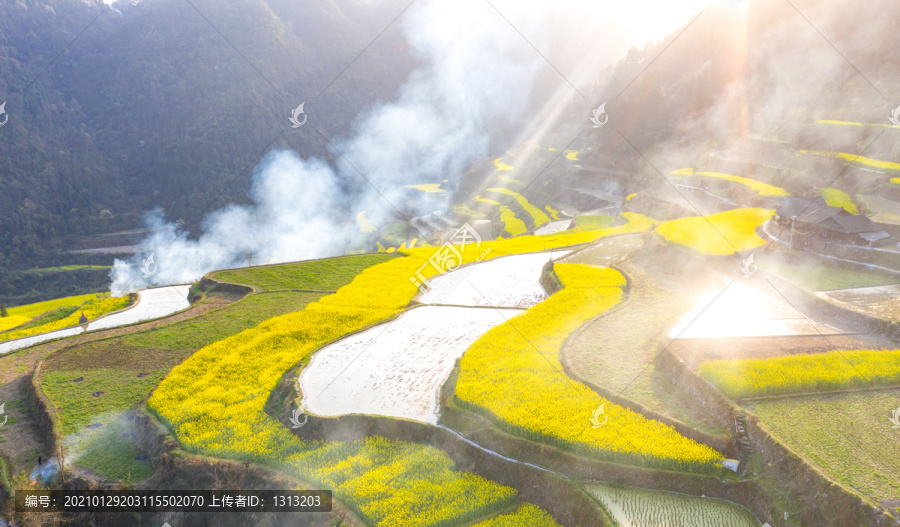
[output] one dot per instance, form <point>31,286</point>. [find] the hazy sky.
<point>643,20</point>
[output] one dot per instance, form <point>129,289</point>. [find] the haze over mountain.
<point>171,105</point>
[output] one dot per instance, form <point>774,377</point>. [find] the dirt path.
<point>20,439</point>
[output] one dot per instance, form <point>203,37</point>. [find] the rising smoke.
<point>477,72</point>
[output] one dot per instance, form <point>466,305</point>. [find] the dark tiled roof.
<point>853,223</point>
<point>817,212</point>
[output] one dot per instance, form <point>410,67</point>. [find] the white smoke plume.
<point>477,71</point>
<point>290,219</point>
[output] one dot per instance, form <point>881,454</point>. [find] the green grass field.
<point>847,435</point>
<point>113,366</point>
<point>98,382</point>
<point>645,508</point>
<point>314,275</point>
<point>109,449</point>
<point>124,370</point>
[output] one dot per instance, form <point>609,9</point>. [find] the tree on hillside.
<point>3,312</point>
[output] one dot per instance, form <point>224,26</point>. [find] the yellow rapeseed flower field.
<point>500,165</point>
<point>511,223</point>
<point>428,188</point>
<point>39,308</point>
<point>536,214</point>
<point>553,212</point>
<point>717,234</point>
<point>93,307</point>
<point>524,244</point>
<point>513,373</point>
<point>12,321</point>
<point>214,402</point>
<point>839,198</point>
<point>878,164</point>
<point>763,189</point>
<point>525,516</point>
<point>851,123</point>
<point>834,370</point>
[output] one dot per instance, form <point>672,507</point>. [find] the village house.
<point>812,224</point>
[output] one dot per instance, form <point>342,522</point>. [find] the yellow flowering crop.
<point>524,244</point>
<point>536,214</point>
<point>513,373</point>
<point>501,166</point>
<point>851,123</point>
<point>92,308</point>
<point>214,402</point>
<point>527,515</point>
<point>428,188</point>
<point>834,370</point>
<point>855,159</point>
<point>39,308</point>
<point>511,223</point>
<point>730,230</point>
<point>839,198</point>
<point>363,223</point>
<point>464,210</point>
<point>763,189</point>
<point>12,321</point>
<point>553,212</point>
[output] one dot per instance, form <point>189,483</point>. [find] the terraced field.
<point>99,382</point>
<point>215,404</point>
<point>103,313</point>
<point>644,508</point>
<point>209,378</point>
<point>512,374</point>
<point>45,317</point>
<point>862,456</point>
<point>616,351</point>
<point>717,234</point>
<point>763,189</point>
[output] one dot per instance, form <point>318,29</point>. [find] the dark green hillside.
<point>154,108</point>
